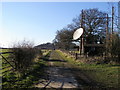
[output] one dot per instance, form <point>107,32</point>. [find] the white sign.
<point>77,33</point>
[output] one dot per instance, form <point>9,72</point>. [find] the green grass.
<point>45,52</point>
<point>70,60</point>
<point>5,50</point>
<point>104,74</point>
<point>56,58</point>
<point>13,79</point>
<point>74,51</point>
<point>4,63</point>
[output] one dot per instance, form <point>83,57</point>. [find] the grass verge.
<point>106,75</point>
<point>11,79</point>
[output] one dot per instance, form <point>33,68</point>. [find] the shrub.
<point>113,47</point>
<point>38,52</point>
<point>23,55</point>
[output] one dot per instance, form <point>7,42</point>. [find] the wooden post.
<point>112,24</point>
<point>76,56</point>
<point>112,20</point>
<point>104,58</point>
<point>87,55</point>
<point>112,27</point>
<point>107,28</point>
<point>80,47</point>
<point>82,38</point>
<point>107,38</point>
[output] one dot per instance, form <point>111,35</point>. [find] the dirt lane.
<point>58,76</point>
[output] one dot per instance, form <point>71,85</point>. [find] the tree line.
<point>94,29</point>
<point>94,23</point>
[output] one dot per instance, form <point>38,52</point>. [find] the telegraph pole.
<point>82,38</point>
<point>112,24</point>
<point>107,36</point>
<point>112,20</point>
<point>107,28</point>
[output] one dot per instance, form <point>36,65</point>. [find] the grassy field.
<point>12,79</point>
<point>106,75</point>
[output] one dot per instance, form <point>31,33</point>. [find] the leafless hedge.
<point>23,55</point>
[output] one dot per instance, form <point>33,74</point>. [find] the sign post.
<point>77,34</point>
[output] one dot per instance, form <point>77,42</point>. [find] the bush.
<point>113,47</point>
<point>23,55</point>
<point>39,52</point>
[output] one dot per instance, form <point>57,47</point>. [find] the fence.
<point>10,76</point>
<point>71,53</point>
<point>7,62</point>
<point>86,58</point>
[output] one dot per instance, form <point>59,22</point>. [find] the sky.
<point>39,21</point>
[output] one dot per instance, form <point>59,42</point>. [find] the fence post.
<point>104,56</point>
<point>87,55</point>
<point>76,56</point>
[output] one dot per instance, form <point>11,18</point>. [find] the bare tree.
<point>93,23</point>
